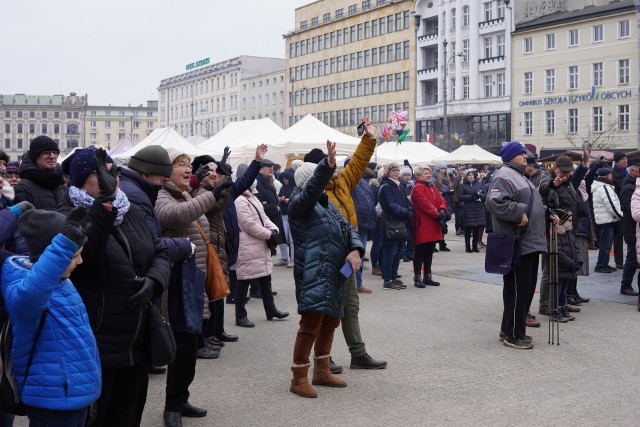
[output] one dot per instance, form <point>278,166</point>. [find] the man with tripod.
<point>510,197</point>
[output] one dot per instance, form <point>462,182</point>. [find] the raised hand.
<point>107,179</point>
<point>331,153</point>
<point>202,172</point>
<point>73,227</point>
<point>261,150</point>
<point>368,128</point>
<point>225,154</point>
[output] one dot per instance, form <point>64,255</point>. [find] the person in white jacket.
<point>606,213</point>
<point>254,256</point>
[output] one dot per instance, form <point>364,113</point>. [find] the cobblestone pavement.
<point>446,365</point>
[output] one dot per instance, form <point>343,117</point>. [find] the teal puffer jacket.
<point>322,239</point>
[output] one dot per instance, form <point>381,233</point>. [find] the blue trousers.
<point>391,259</point>
<point>606,238</point>
<point>39,417</point>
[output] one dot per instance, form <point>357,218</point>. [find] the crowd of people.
<point>88,248</point>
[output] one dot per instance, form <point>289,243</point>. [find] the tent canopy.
<point>469,155</point>
<point>196,139</point>
<point>124,145</point>
<point>166,138</point>
<point>415,152</point>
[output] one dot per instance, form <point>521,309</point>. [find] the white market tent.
<point>124,145</point>
<point>415,152</point>
<point>242,138</point>
<point>302,137</point>
<point>164,137</point>
<point>196,139</point>
<point>469,155</point>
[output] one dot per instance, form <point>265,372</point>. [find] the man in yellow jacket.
<point>339,192</point>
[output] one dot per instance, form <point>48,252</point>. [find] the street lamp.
<point>445,117</point>
<point>417,17</point>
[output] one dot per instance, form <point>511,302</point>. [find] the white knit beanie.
<point>175,153</point>
<point>303,173</point>
<point>405,170</point>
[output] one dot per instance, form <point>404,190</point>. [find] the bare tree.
<point>605,140</point>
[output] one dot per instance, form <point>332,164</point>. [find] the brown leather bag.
<point>215,284</point>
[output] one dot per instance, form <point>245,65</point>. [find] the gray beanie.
<point>241,169</point>
<point>39,227</point>
<point>151,160</point>
<point>303,173</point>
<point>406,170</point>
<point>440,165</point>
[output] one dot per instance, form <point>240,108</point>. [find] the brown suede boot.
<point>322,374</point>
<point>300,382</point>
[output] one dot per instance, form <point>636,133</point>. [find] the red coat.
<point>426,201</point>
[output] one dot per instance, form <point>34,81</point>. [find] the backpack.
<point>10,400</point>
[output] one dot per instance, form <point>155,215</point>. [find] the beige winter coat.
<point>254,257</point>
<point>177,212</point>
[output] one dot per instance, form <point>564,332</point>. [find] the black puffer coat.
<point>269,197</point>
<point>472,206</point>
<point>44,190</point>
<point>568,253</point>
<point>322,239</point>
<point>105,281</point>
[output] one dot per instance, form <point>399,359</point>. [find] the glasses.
<point>394,170</point>
<point>186,166</point>
<point>49,153</point>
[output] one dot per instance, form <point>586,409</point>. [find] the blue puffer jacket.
<point>322,239</point>
<point>65,371</point>
<point>364,199</point>
<point>394,203</point>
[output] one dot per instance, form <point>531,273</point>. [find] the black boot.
<point>172,419</point>
<point>429,281</point>
<point>443,247</point>
<point>417,282</point>
<point>277,314</point>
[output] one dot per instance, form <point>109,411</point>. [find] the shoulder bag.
<point>504,250</point>
<point>272,243</point>
<point>215,283</point>
<point>393,230</point>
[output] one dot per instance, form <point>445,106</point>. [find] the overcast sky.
<point>117,51</point>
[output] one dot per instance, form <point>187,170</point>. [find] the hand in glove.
<point>217,191</point>
<point>223,169</point>
<point>107,179</point>
<point>202,172</point>
<point>73,227</point>
<point>442,214</point>
<point>225,155</point>
<point>141,298</point>
<point>577,266</point>
<point>274,238</point>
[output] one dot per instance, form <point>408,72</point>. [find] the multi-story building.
<point>26,116</point>
<point>209,96</point>
<point>346,60</point>
<point>108,125</point>
<point>263,96</point>
<point>575,76</point>
<point>463,71</point>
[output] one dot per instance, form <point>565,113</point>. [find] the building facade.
<point>108,125</point>
<point>207,97</point>
<point>463,57</point>
<point>575,77</point>
<point>25,117</point>
<point>346,60</point>
<point>263,96</point>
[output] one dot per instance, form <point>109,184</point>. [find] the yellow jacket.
<point>339,189</point>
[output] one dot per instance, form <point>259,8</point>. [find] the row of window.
<point>573,37</point>
<point>364,58</point>
<point>377,27</point>
<point>573,123</point>
<point>44,128</point>
<point>326,17</point>
<point>186,110</point>
<point>353,116</point>
<point>71,143</point>
<point>573,76</point>
<point>488,15</point>
<point>356,88</point>
<point>121,124</point>
<point>192,89</point>
<point>121,113</point>
<point>43,114</point>
<point>107,137</point>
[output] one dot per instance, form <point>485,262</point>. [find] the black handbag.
<point>162,343</point>
<point>272,242</point>
<point>395,230</point>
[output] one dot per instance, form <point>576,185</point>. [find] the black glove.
<point>273,240</point>
<point>442,214</point>
<point>223,169</point>
<point>73,228</point>
<point>217,191</point>
<point>225,155</point>
<point>140,299</point>
<point>107,179</point>
<point>577,266</point>
<point>406,163</point>
<point>202,172</point>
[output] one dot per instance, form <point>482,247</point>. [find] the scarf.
<point>80,197</point>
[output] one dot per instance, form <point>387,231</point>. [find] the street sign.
<point>198,63</point>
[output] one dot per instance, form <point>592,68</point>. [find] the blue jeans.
<point>363,238</point>
<point>39,417</point>
<point>562,292</point>
<point>391,259</point>
<point>284,248</point>
<point>606,238</point>
<point>376,246</point>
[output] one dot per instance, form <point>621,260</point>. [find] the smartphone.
<point>346,270</point>
<point>360,129</point>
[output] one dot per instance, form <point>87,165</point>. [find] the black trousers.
<point>120,399</point>
<point>215,325</point>
<point>517,293</point>
<point>471,237</point>
<point>618,243</point>
<point>265,289</point>
<point>423,257</point>
<point>181,372</point>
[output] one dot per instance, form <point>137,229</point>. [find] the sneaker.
<point>518,343</point>
<point>532,322</point>
<point>207,353</point>
<point>558,317</point>
<point>281,263</point>
<point>364,290</point>
<point>399,283</point>
<point>572,300</point>
<point>391,285</point>
<point>566,314</point>
<point>605,269</point>
<point>367,362</point>
<point>333,367</point>
<point>290,264</point>
<point>526,338</point>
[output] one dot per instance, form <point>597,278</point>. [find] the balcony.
<point>431,72</point>
<point>492,63</point>
<point>428,39</point>
<point>491,26</point>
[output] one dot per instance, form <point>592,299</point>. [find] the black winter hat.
<point>79,165</point>
<point>201,160</point>
<point>314,156</point>
<point>39,227</point>
<point>372,166</point>
<point>618,155</point>
<point>152,160</point>
<point>41,143</point>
